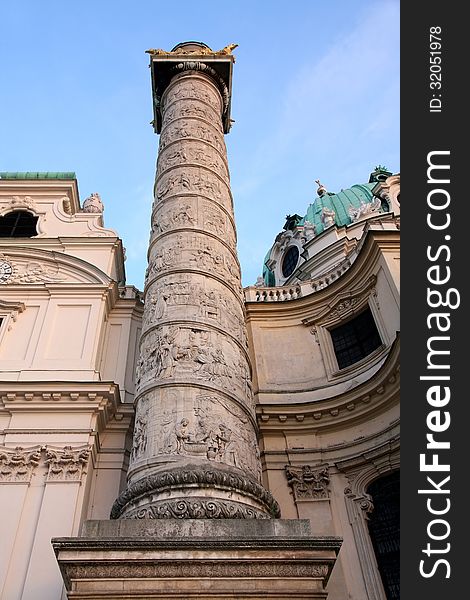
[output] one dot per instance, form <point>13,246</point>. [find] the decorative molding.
<point>67,463</point>
<point>35,272</point>
<point>213,569</point>
<point>18,203</point>
<point>343,305</point>
<point>308,483</point>
<point>196,508</point>
<point>195,477</point>
<point>17,464</point>
<point>11,310</point>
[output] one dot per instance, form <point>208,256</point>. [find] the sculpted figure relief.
<point>192,152</point>
<point>139,444</point>
<point>195,108</point>
<point>180,216</point>
<point>194,253</point>
<point>194,91</point>
<point>198,130</point>
<point>195,353</point>
<point>200,432</point>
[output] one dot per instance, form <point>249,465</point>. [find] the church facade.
<point>289,389</point>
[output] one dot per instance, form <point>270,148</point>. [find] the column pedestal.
<point>201,559</point>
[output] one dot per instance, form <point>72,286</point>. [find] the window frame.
<point>358,340</point>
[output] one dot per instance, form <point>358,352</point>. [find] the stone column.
<point>195,452</point>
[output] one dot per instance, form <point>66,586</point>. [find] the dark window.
<point>384,529</point>
<point>385,206</point>
<point>355,339</point>
<point>18,223</point>
<point>289,263</point>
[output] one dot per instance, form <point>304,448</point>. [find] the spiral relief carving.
<point>195,420</point>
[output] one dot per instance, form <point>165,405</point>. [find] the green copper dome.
<point>340,203</point>
<point>334,208</point>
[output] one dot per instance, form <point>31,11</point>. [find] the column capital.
<point>192,56</point>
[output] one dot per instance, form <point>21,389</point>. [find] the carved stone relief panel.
<point>196,213</point>
<point>177,213</point>
<point>215,221</point>
<point>198,424</point>
<point>183,129</point>
<point>195,91</point>
<point>194,354</point>
<point>192,152</point>
<point>183,297</point>
<point>19,202</point>
<point>193,181</point>
<point>308,483</point>
<point>194,252</point>
<point>139,441</point>
<point>193,108</point>
<point>32,271</point>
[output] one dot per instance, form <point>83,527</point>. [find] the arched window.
<point>384,530</point>
<point>289,263</point>
<point>18,223</point>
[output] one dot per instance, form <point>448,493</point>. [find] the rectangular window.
<point>355,339</point>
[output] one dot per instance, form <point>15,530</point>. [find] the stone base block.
<point>199,559</point>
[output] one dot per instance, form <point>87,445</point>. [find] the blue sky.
<point>315,95</point>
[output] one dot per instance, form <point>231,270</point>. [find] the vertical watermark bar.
<point>435,408</point>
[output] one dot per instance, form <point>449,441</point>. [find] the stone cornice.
<point>41,396</point>
<point>360,403</point>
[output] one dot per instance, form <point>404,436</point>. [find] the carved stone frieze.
<point>17,464</point>
<point>181,214</point>
<point>197,508</point>
<point>32,272</point>
<point>308,483</point>
<point>194,252</point>
<point>194,182</point>
<point>190,90</point>
<point>178,296</point>
<point>200,477</point>
<point>205,425</point>
<point>193,108</point>
<point>182,129</point>
<point>67,463</point>
<point>195,417</point>
<point>139,441</point>
<point>198,354</point>
<point>207,569</point>
<point>192,152</point>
